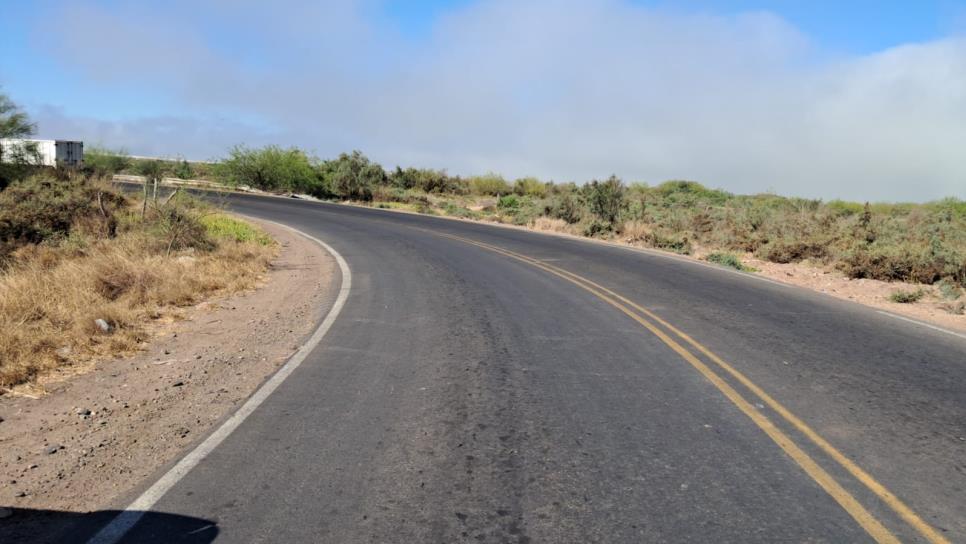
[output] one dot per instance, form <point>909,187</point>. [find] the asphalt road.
<point>467,394</point>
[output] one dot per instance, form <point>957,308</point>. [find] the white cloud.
<point>563,90</point>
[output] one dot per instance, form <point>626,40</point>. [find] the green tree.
<point>352,176</point>
<point>15,160</point>
<point>271,168</point>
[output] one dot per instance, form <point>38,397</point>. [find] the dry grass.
<point>52,293</point>
<point>550,224</point>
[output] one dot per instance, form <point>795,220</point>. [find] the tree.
<point>606,198</point>
<point>14,123</point>
<point>183,170</point>
<point>352,176</point>
<point>270,168</point>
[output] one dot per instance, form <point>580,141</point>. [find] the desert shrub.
<point>605,199</point>
<point>906,297</point>
<point>508,202</point>
<point>101,161</point>
<point>425,179</point>
<point>489,184</point>
<point>183,170</point>
<point>271,168</point>
<point>596,227</point>
<point>792,250</point>
<point>690,192</point>
<point>41,209</point>
<point>948,289</point>
<point>565,206</point>
<point>353,176</point>
<point>730,260</point>
<point>459,211</point>
<point>530,187</point>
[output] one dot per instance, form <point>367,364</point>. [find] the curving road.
<point>485,384</point>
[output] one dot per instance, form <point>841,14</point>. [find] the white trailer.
<point>42,152</point>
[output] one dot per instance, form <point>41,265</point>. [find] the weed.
<point>907,297</point>
<point>730,260</point>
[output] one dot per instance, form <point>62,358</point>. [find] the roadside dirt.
<point>94,437</point>
<point>931,308</point>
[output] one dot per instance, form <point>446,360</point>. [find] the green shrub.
<point>565,206</point>
<point>489,184</point>
<point>730,260</point>
<point>508,202</point>
<point>948,290</point>
<point>606,198</point>
<point>530,187</point>
<point>104,162</point>
<point>270,168</point>
<point>597,227</point>
<point>353,176</point>
<point>183,170</point>
<point>907,297</point>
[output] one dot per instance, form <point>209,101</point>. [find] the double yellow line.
<point>654,324</point>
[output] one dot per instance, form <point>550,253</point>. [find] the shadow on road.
<point>26,525</point>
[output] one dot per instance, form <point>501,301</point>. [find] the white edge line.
<point>922,324</point>
<point>123,522</point>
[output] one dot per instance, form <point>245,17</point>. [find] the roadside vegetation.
<point>917,243</point>
<point>84,268</point>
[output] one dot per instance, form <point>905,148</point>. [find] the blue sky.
<point>858,99</point>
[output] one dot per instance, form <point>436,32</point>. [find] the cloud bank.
<point>558,89</point>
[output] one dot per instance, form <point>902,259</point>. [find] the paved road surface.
<point>472,390</point>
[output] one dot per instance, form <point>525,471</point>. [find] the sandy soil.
<point>931,308</point>
<point>94,437</point>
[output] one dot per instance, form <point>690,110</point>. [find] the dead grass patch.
<point>52,293</point>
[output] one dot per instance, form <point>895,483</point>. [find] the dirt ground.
<point>931,308</point>
<point>93,437</point>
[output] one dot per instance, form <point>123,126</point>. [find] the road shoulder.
<point>96,437</point>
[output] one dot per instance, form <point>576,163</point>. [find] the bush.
<point>103,162</point>
<point>907,297</point>
<point>40,209</point>
<point>530,187</point>
<point>606,198</point>
<point>430,181</point>
<point>271,168</point>
<point>490,184</point>
<point>183,170</point>
<point>353,176</point>
<point>508,202</point>
<point>730,260</point>
<point>565,206</point>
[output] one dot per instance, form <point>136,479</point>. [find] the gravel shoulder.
<point>95,437</point>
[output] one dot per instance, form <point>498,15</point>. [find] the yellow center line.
<point>825,480</point>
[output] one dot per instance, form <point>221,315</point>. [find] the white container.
<point>48,152</point>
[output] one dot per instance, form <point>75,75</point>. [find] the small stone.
<point>177,384</point>
<point>31,467</point>
<point>53,449</point>
<point>103,325</point>
<point>64,353</point>
<point>83,412</point>
<point>21,494</point>
<point>167,352</point>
